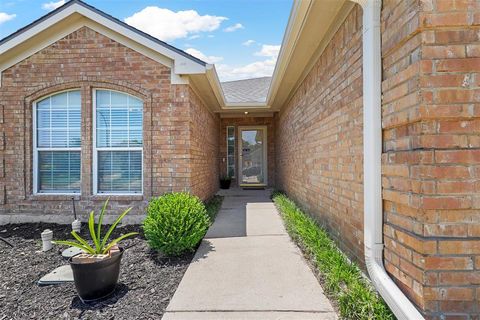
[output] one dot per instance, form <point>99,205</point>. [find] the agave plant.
<point>100,245</point>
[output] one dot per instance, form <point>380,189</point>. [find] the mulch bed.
<point>147,281</point>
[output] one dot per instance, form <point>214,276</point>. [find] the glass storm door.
<point>253,156</point>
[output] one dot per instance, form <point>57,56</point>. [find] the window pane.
<point>231,152</point>
<point>119,171</point>
<point>58,121</point>
<point>119,120</point>
<point>59,171</point>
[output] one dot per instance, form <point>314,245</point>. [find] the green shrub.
<point>342,279</point>
<point>175,223</point>
<point>213,206</point>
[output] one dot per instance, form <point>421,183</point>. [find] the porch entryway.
<point>248,268</point>
<point>247,150</point>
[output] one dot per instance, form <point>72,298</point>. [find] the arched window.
<point>56,143</point>
<point>118,143</point>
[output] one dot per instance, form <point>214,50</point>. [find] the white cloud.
<point>200,55</point>
<point>211,36</point>
<point>169,25</point>
<point>263,68</point>
<point>4,17</point>
<point>268,51</point>
<point>248,43</point>
<point>234,27</point>
<point>252,70</point>
<point>52,5</point>
<point>195,36</point>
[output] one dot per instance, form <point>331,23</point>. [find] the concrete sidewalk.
<point>248,268</point>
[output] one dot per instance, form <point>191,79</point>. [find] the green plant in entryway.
<point>100,244</point>
<point>342,279</point>
<point>213,206</point>
<point>175,223</point>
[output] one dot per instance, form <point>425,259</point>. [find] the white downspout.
<point>401,306</point>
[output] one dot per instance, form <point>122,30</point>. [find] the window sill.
<point>54,197</point>
<point>118,197</point>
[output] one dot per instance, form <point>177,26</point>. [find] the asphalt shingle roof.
<point>248,90</point>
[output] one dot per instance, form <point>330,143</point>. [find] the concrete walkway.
<point>248,268</point>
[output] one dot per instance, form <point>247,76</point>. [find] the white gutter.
<point>401,306</point>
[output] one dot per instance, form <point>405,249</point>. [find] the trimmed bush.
<point>176,223</point>
<point>213,206</point>
<point>342,279</point>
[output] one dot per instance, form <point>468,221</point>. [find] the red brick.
<point>440,172</point>
<point>448,263</point>
<point>449,293</point>
<point>458,65</point>
<point>445,202</point>
<point>443,52</point>
<point>459,247</point>
<point>460,278</point>
<point>458,156</point>
<point>452,187</point>
<point>444,19</point>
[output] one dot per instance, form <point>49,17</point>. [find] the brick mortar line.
<point>430,238</point>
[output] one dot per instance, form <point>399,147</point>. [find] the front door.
<point>253,156</point>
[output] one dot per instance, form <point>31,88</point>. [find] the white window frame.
<point>96,150</point>
<point>36,149</point>
<point>234,151</point>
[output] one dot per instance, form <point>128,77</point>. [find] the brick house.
<point>92,108</point>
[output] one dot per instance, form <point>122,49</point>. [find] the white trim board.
<point>75,15</point>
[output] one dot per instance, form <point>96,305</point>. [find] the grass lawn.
<point>342,280</point>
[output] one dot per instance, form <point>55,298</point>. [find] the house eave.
<point>75,14</point>
<point>311,26</point>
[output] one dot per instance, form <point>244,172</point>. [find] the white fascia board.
<point>246,105</point>
<point>181,64</point>
<point>39,46</point>
<point>31,32</point>
<point>134,45</point>
<point>295,24</point>
<point>212,78</point>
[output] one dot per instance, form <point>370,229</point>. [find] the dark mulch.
<point>147,279</point>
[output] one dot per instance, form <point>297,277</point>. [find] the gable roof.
<point>105,15</point>
<point>248,90</point>
<point>311,25</point>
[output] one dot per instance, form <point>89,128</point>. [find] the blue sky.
<point>242,37</point>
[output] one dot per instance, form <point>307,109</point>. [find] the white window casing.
<point>57,143</point>
<point>117,143</point>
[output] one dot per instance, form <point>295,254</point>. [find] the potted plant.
<point>225,182</point>
<point>96,271</point>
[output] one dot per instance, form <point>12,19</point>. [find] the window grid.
<point>116,149</point>
<point>38,173</point>
<point>231,151</point>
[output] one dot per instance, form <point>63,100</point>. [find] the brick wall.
<point>319,147</point>
<point>204,138</point>
<point>431,143</point>
<point>247,121</point>
<point>405,249</point>
<point>431,140</point>
<point>85,60</point>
